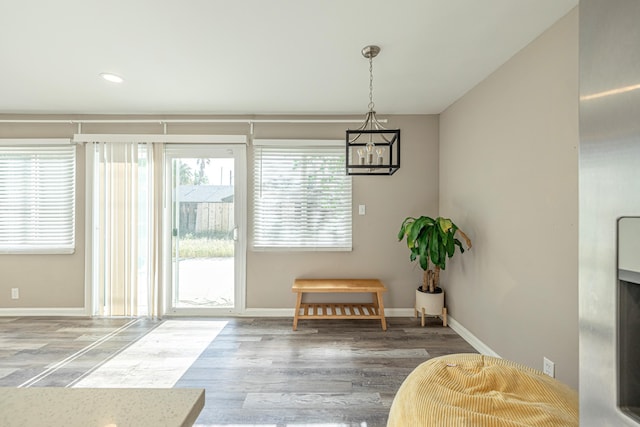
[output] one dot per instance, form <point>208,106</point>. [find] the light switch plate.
<point>361,209</point>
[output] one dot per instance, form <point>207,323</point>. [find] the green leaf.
<point>407,231</point>
<point>424,254</point>
<point>407,220</point>
<point>401,234</point>
<point>445,224</point>
<point>451,248</point>
<point>434,244</point>
<point>405,225</point>
<point>413,232</point>
<point>426,244</point>
<point>459,244</point>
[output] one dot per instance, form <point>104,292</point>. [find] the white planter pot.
<point>431,305</point>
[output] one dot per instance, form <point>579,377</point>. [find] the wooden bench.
<point>374,310</point>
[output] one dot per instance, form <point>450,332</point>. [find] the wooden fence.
<point>205,218</point>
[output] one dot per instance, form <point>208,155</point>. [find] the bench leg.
<point>379,304</point>
<point>297,312</point>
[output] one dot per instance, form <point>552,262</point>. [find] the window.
<point>37,198</point>
<point>302,195</point>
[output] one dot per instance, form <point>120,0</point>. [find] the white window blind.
<point>37,198</point>
<point>302,196</point>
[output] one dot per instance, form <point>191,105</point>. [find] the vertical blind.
<point>37,199</point>
<point>124,229</point>
<point>302,196</point>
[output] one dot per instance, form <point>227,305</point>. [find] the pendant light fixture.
<point>372,149</point>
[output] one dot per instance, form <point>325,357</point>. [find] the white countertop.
<point>99,407</point>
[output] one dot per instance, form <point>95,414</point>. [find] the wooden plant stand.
<point>373,310</point>
<point>443,316</point>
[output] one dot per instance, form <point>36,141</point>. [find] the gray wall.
<point>58,281</point>
<point>509,178</point>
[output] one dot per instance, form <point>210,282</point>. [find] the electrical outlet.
<point>15,293</point>
<point>548,367</point>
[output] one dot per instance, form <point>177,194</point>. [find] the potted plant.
<point>431,242</point>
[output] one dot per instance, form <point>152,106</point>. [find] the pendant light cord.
<point>371,104</point>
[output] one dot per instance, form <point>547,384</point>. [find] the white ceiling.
<point>256,56</point>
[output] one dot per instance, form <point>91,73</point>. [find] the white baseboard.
<point>24,312</point>
<point>399,312</point>
<point>267,312</point>
<point>470,338</point>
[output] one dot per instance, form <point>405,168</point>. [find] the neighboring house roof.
<point>205,193</point>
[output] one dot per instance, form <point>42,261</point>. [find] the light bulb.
<point>380,152</point>
<point>370,153</point>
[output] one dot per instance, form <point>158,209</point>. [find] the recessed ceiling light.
<point>110,77</point>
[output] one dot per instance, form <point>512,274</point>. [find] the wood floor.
<point>256,371</point>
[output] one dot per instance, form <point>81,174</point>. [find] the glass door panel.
<point>204,231</point>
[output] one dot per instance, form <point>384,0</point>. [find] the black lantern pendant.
<point>372,149</point>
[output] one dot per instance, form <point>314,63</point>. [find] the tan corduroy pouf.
<point>476,390</point>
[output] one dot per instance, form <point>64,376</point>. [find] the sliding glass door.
<point>204,229</point>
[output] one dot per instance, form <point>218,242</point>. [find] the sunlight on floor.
<point>157,360</point>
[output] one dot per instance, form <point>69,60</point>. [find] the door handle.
<point>235,234</point>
